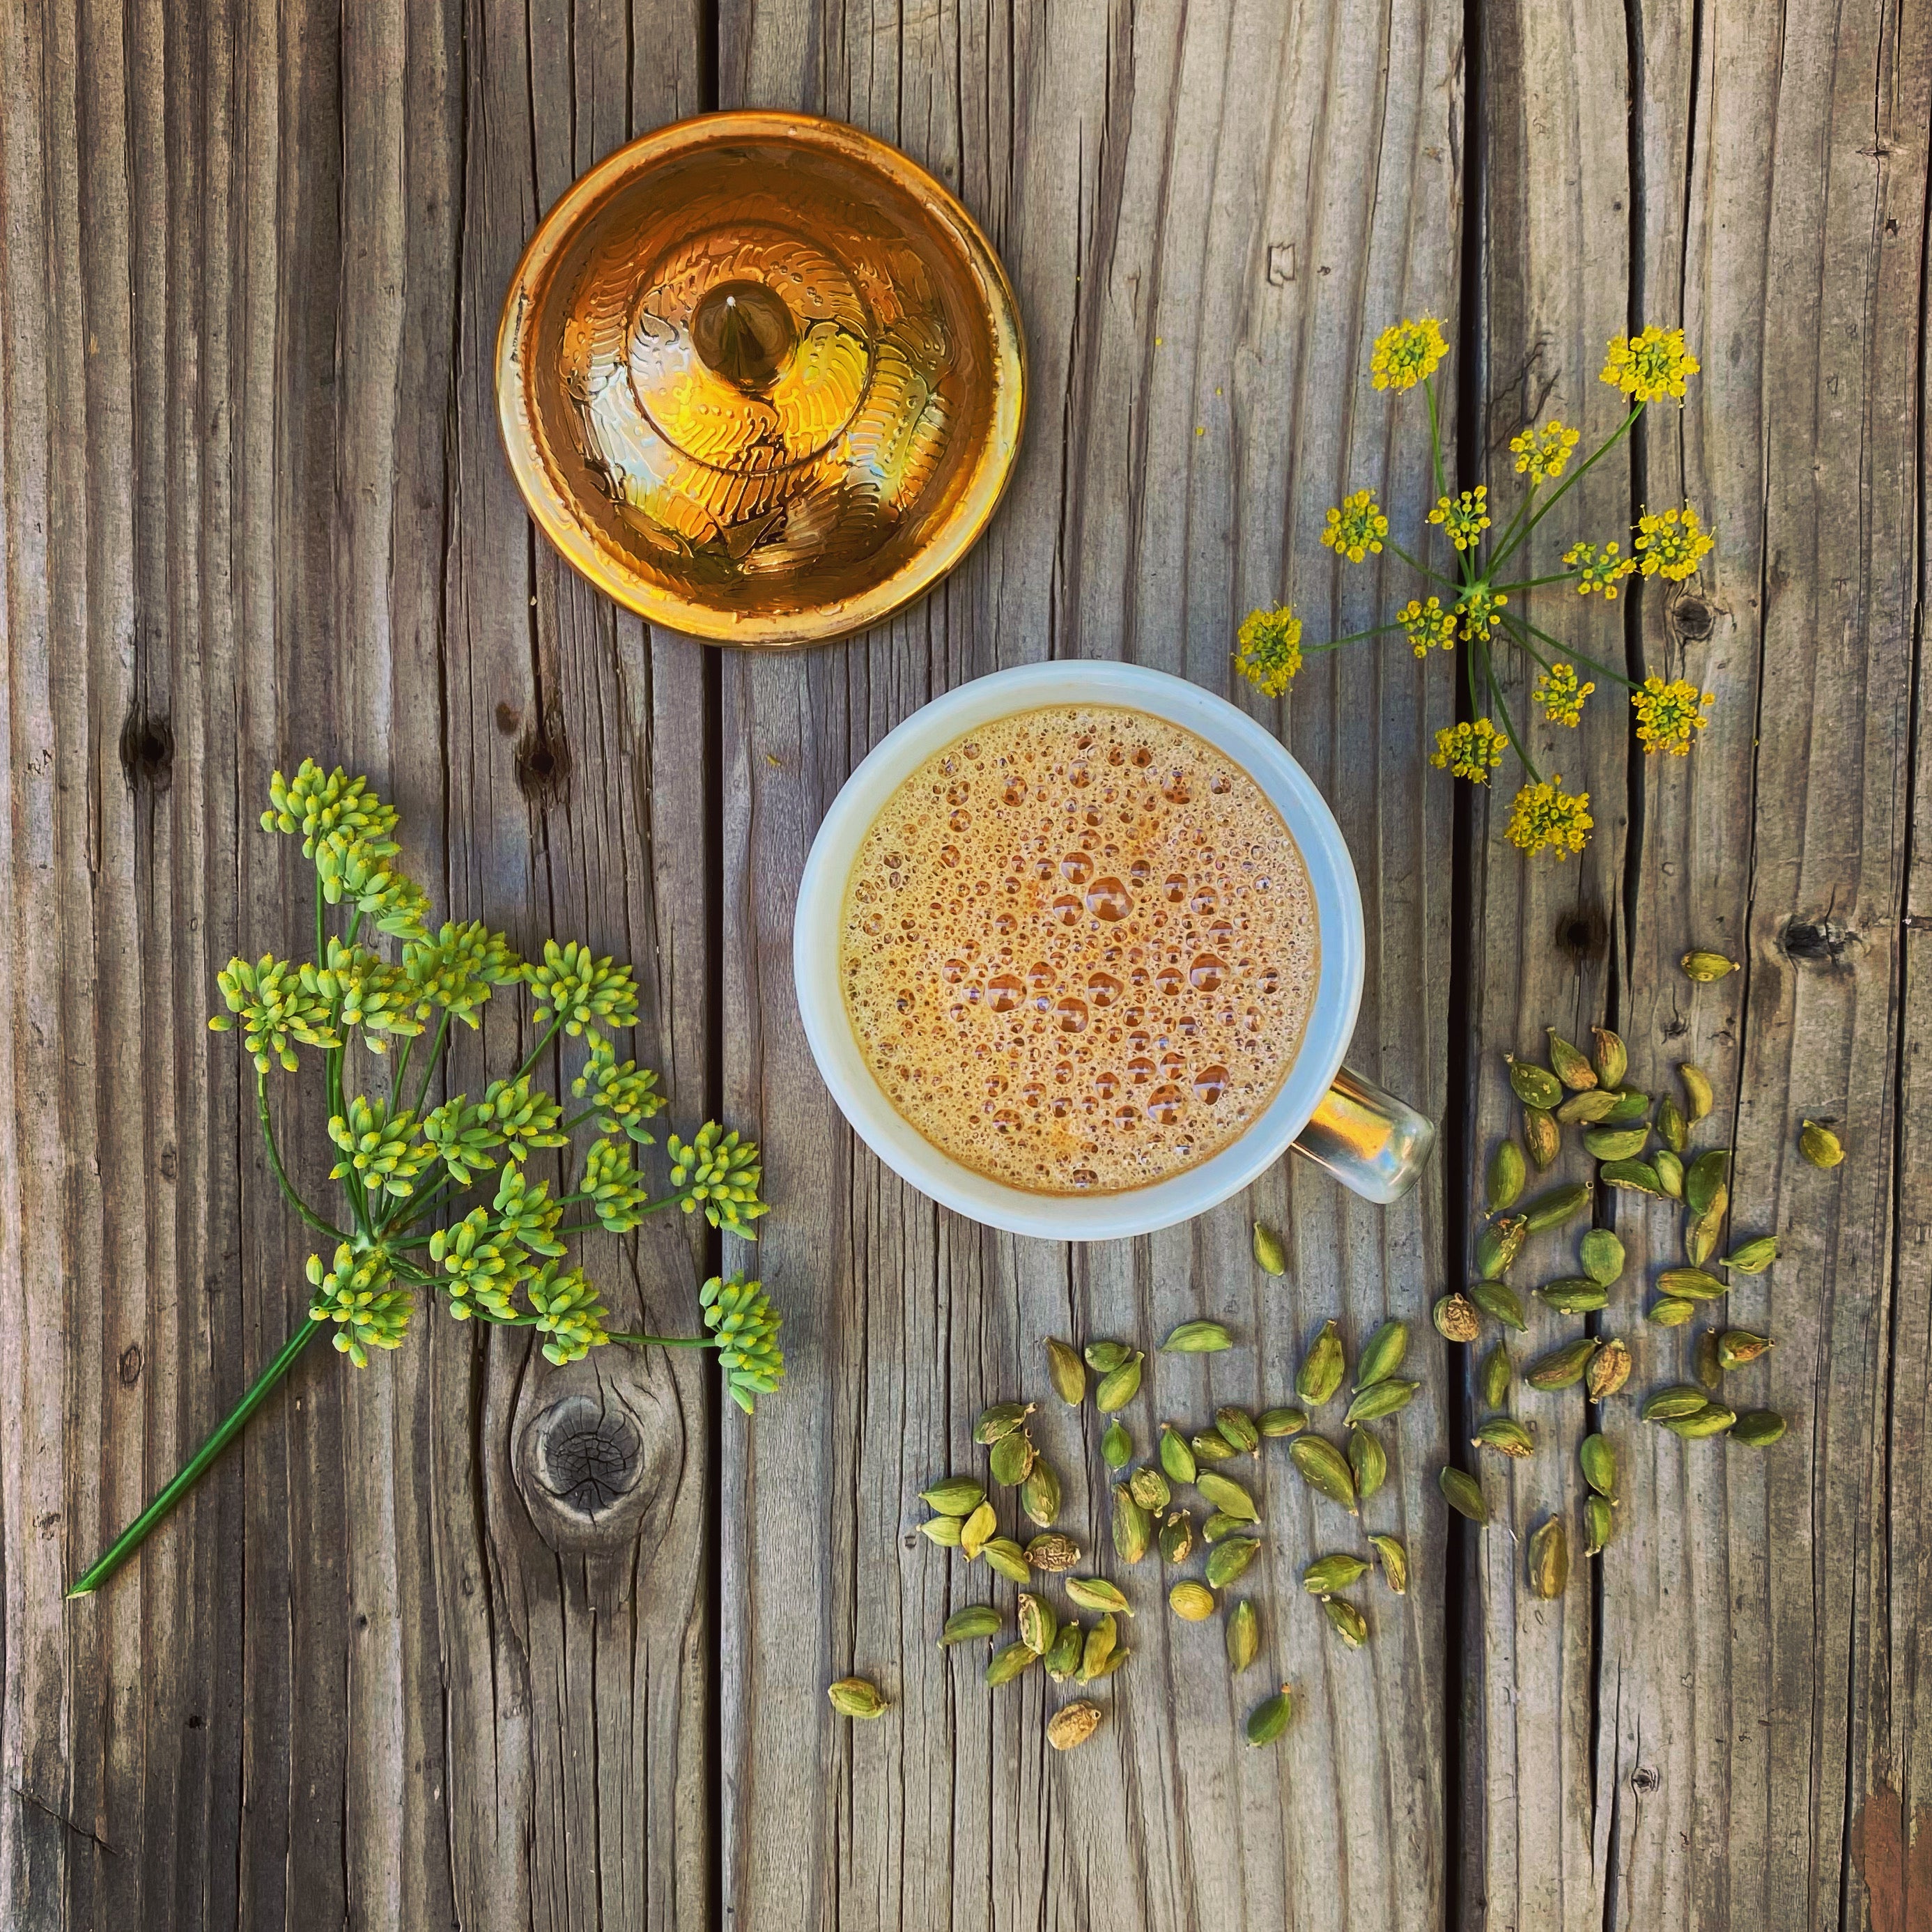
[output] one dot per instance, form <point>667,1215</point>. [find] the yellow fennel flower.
<point>1560,694</point>
<point>1540,454</point>
<point>1470,752</point>
<point>1598,569</point>
<point>1465,516</point>
<point>1480,609</point>
<point>1270,649</point>
<point>1427,624</point>
<point>1650,365</point>
<point>1545,817</point>
<point>1356,527</point>
<point>1407,351</point>
<point>1667,714</point>
<point>1671,543</point>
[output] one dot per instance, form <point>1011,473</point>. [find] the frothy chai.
<point>1078,948</point>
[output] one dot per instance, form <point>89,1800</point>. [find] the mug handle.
<point>1372,1143</point>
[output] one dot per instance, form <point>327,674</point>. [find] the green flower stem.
<point>664,1341</point>
<point>1569,482</point>
<point>1435,435</point>
<point>281,1173</point>
<point>1353,638</point>
<point>434,1061</point>
<point>321,928</point>
<point>1570,651</point>
<point>1537,582</point>
<point>427,1204</point>
<point>131,1538</point>
<point>1523,643</point>
<point>1516,743</point>
<point>537,1051</point>
<point>1423,569</point>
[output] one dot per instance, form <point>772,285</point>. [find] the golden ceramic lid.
<point>761,378</point>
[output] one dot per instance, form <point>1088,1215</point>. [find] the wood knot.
<point>1582,931</point>
<point>1823,942</point>
<point>543,762</point>
<point>147,750</point>
<point>1693,617</point>
<point>583,1471</point>
<point>1644,1779</point>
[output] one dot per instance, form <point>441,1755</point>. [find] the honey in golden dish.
<point>1077,949</point>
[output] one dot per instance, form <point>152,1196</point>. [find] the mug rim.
<point>819,911</point>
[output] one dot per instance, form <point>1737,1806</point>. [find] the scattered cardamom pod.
<point>1463,1494</point>
<point>1073,1724</point>
<point>1492,1379</point>
<point>1819,1145</point>
<point>1599,1462</point>
<point>1236,1427</point>
<point>1629,1106</point>
<point>1095,1593</point>
<point>1697,1091</point>
<point>1639,1176</point>
<point>1754,1257</point>
<point>1193,1602</point>
<point>854,1697</point>
<point>1066,1372</point>
<point>1148,1487</point>
<point>1602,1255</point>
<point>1670,1313</point>
<point>1499,1303</point>
<point>1382,1353</point>
<point>1226,1495</point>
<point>1713,1419</point>
<point>1680,1398</point>
<point>1599,1520</point>
<point>1704,1178</point>
<point>1613,1058</point>
<point>975,1531</point>
<point>1541,1136</point>
<point>1572,1065</point>
<point>1700,1237</point>
<point>1550,1559</point>
<point>1273,1422</point>
<point>1244,1636</point>
<point>1005,1556</point>
<point>1226,1560</point>
<point>1211,1446</point>
<point>1133,1528</point>
<point>1001,1420</point>
<point>1707,1361</point>
<point>1609,1369</point>
<point>975,1620</point>
<point>944,1530</point>
<point>1504,1434</point>
<point>1563,1368</point>
<point>1758,1428</point>
<point>1574,1294</point>
<point>1118,1656</point>
<point>1505,1178</point>
<point>1012,1457</point>
<point>1039,1625</point>
<point>1270,1257</point>
<point>1690,1284</point>
<point>1008,1662</point>
<point>1063,1659</point>
<point>1039,1494</point>
<point>1552,1209</point>
<point>1197,1338</point>
<point>1104,1357</point>
<point>1669,1172</point>
<point>1455,1319</point>
<point>1320,1375</point>
<point>1097,1649</point>
<point>1052,1553</point>
<point>1176,1536</point>
<point>1588,1110</point>
<point>1269,1719</point>
<point>1369,1460</point>
<point>1176,1457</point>
<point>1327,1574</point>
<point>1381,1398</point>
<point>1535,1086</point>
<point>1498,1246</point>
<point>1705,967</point>
<point>1672,1127</point>
<point>1116,1446</point>
<point>1395,1563</point>
<point>1618,1144</point>
<point>1118,1387</point>
<point>1220,1525</point>
<point>1346,1622</point>
<point>1738,1348</point>
<point>1323,1467</point>
<point>957,1495</point>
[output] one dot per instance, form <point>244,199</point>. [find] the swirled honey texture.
<point>1079,949</point>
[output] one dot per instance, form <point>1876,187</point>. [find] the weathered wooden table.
<point>376,1673</point>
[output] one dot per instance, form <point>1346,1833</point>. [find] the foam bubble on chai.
<point>1079,949</point>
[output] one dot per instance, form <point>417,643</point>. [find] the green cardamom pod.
<point>1327,1574</point>
<point>1505,1178</point>
<point>1063,1659</point>
<point>1574,1294</point>
<point>1176,1538</point>
<point>1550,1559</point>
<point>1038,1626</point>
<point>1148,1487</point>
<point>1197,1338</point>
<point>1703,1178</point>
<point>1191,1601</point>
<point>1270,1257</point>
<point>1268,1720</point>
<point>1244,1637</point>
<point>1499,1303</point>
<point>1713,1419</point>
<point>1008,1662</point>
<point>1236,1427</point>
<point>1700,1238</point>
<point>1541,1136</point>
<point>1705,967</point>
<point>944,1530</point>
<point>854,1697</point>
<point>1552,1209</point>
<point>1369,1460</point>
<point>1219,1525</point>
<point>1321,1368</point>
<point>1176,1458</point>
<point>1211,1446</point>
<point>975,1620</point>
<point>975,1531</point>
<point>1504,1434</point>
<point>1629,1106</point>
<point>957,1495</point>
<point>1498,1246</point>
<point>1738,1348</point>
<point>1492,1379</point>
<point>1707,1362</point>
<point>1323,1467</point>
<point>1637,1175</point>
<point>1347,1622</point>
<point>1562,1368</point>
<point>1613,1059</point>
<point>1001,1420</point>
<point>1005,1556</point>
<point>1133,1528</point>
<point>1463,1494</point>
<point>1758,1428</point>
<point>1381,1398</point>
<point>1456,1320</point>
<point>1073,1724</point>
<point>1104,1357</point>
<point>1097,1649</point>
<point>1227,1560</point>
<point>1669,1172</point>
<point>1602,1255</point>
<point>1119,1386</point>
<point>1052,1552</point>
<point>1066,1372</point>
<point>1680,1398</point>
<point>1599,1462</point>
<point>1395,1563</point>
<point>1587,1110</point>
<point>1619,1144</point>
<point>1670,1313</point>
<point>1754,1257</point>
<point>1572,1065</point>
<point>1609,1369</point>
<point>1382,1353</point>
<point>1535,1086</point>
<point>1039,1494</point>
<point>1277,1422</point>
<point>1599,1520</point>
<point>1697,1091</point>
<point>1116,1446</point>
<point>1690,1284</point>
<point>1226,1495</point>
<point>1095,1593</point>
<point>1012,1457</point>
<point>1118,1656</point>
<point>1672,1127</point>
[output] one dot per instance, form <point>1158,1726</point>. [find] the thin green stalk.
<point>281,1173</point>
<point>321,928</point>
<point>131,1538</point>
<point>1569,482</point>
<point>664,1341</point>
<point>1537,582</point>
<point>1435,435</point>
<point>435,1060</point>
<point>1509,726</point>
<point>1571,651</point>
<point>1313,650</point>
<point>1423,569</point>
<point>536,1052</point>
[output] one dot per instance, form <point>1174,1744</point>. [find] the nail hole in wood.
<point>1583,932</point>
<point>1823,942</point>
<point>147,750</point>
<point>543,764</point>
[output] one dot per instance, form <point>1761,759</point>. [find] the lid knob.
<point>744,333</point>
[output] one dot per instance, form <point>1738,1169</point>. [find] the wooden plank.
<point>1188,426</point>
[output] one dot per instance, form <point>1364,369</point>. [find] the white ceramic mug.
<point>1371,1142</point>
